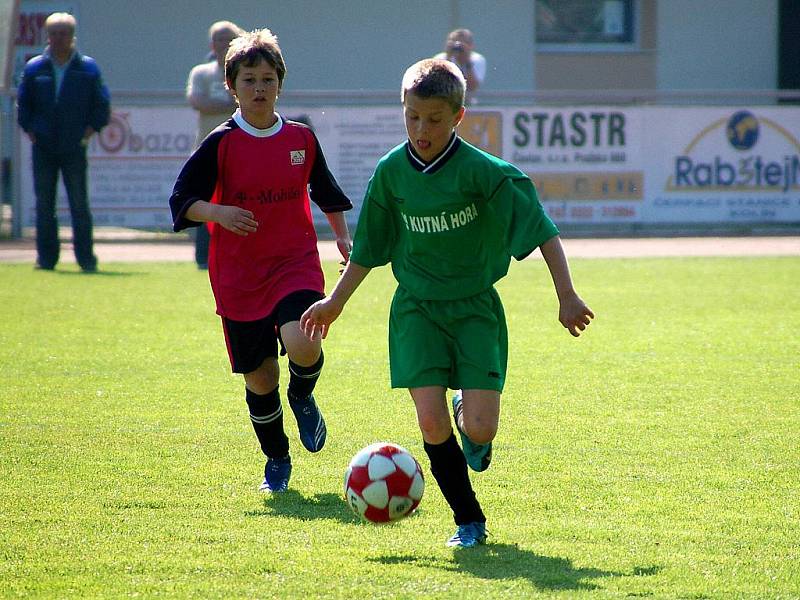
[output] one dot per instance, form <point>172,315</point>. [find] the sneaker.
<point>276,475</point>
<point>478,456</point>
<point>310,423</point>
<point>469,535</point>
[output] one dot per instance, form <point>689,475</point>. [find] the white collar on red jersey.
<point>255,131</point>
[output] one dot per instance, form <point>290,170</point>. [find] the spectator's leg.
<point>45,180</point>
<point>74,171</point>
<point>201,242</point>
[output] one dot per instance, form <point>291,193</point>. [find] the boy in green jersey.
<point>449,217</point>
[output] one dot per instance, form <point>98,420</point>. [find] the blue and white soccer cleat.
<point>478,456</point>
<point>469,535</point>
<point>310,423</point>
<point>276,475</point>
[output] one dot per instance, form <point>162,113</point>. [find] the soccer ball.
<point>383,483</point>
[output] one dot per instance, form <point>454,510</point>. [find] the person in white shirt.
<point>207,94</point>
<point>459,48</point>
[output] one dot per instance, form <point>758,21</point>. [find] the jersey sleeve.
<point>376,232</point>
<point>526,224</point>
<point>324,189</point>
<point>196,181</point>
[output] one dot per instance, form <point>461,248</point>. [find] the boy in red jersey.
<point>250,181</point>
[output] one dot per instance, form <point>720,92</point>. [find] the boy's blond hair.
<point>60,18</point>
<point>249,49</point>
<point>435,78</point>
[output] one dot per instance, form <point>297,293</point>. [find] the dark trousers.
<point>201,242</point>
<point>72,165</point>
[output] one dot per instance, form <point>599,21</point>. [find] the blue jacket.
<point>59,124</point>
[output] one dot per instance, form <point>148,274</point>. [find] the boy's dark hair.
<point>249,49</point>
<point>435,78</point>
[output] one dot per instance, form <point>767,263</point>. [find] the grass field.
<point>656,456</point>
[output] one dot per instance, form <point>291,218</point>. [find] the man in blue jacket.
<point>62,101</point>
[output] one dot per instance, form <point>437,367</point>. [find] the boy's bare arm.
<point>235,219</point>
<point>573,313</point>
<point>338,224</point>
<point>316,321</point>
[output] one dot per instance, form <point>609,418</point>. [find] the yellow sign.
<point>589,186</point>
<point>483,129</point>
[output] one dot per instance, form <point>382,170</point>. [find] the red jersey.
<point>272,173</point>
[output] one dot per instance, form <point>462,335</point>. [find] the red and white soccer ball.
<point>383,483</point>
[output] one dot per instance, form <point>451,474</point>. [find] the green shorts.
<point>460,344</point>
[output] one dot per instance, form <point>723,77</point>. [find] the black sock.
<point>266,415</point>
<point>303,379</point>
<point>449,468</point>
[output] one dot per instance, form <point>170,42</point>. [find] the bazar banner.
<point>133,164</point>
<point>134,161</point>
<point>722,165</point>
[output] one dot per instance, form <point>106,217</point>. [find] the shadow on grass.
<point>101,273</point>
<point>507,561</point>
<point>293,504</point>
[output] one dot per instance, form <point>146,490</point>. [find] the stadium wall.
<point>724,44</point>
<point>328,45</point>
<point>365,45</point>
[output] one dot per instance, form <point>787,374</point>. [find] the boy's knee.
<point>264,379</point>
<point>300,349</point>
<point>480,433</point>
<point>434,431</point>
<point>304,355</point>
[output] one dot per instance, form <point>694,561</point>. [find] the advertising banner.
<point>353,139</point>
<point>586,162</point>
<point>133,164</point>
<point>591,165</point>
<point>722,165</point>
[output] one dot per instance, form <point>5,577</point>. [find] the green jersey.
<point>451,226</point>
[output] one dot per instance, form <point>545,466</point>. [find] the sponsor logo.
<point>297,157</point>
<point>267,196</point>
<point>727,155</point>
<point>441,222</point>
<point>121,139</point>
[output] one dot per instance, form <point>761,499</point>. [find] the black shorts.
<point>250,342</point>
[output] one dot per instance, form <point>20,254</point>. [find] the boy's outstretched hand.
<point>573,314</point>
<point>317,319</point>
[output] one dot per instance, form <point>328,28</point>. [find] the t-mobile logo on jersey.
<point>298,157</point>
<point>269,196</point>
